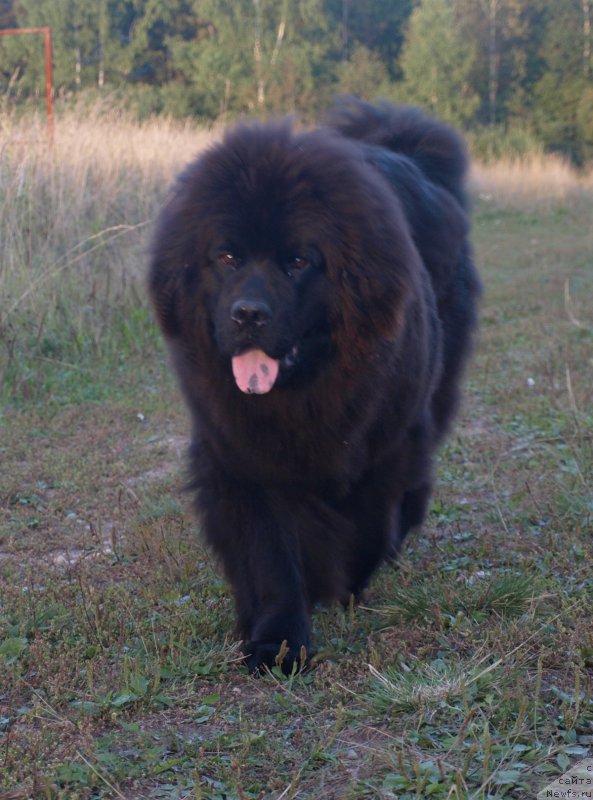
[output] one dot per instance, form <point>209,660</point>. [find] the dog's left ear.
<point>163,288</point>
<point>173,256</point>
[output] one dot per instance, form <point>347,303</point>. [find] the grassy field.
<point>466,672</point>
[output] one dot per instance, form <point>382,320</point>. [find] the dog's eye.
<point>229,260</point>
<point>298,263</point>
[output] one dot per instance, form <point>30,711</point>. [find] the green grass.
<point>466,671</point>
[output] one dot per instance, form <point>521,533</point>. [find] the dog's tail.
<point>436,148</point>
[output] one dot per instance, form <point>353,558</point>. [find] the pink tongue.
<point>255,372</point>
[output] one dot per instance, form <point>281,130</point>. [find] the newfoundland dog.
<point>317,293</point>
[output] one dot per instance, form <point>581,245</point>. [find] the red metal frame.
<point>49,89</point>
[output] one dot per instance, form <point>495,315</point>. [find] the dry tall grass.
<point>104,179</point>
<point>75,223</point>
<point>530,182</point>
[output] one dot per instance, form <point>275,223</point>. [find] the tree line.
<point>514,71</point>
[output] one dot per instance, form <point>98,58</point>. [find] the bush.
<point>495,142</point>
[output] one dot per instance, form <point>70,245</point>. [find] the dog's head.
<point>271,245</point>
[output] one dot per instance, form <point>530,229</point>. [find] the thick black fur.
<point>351,242</point>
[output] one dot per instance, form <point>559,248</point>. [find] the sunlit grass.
<point>530,181</point>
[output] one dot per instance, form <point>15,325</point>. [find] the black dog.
<point>317,293</point>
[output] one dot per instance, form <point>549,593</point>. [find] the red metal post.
<point>49,89</point>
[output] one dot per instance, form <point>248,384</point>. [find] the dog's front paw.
<point>260,655</point>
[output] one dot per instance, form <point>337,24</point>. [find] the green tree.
<point>378,26</point>
<point>248,56</point>
<point>80,30</point>
<point>364,74</point>
<point>563,96</point>
<point>516,66</point>
<point>507,34</point>
<point>437,62</point>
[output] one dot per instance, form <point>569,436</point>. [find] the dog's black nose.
<point>251,312</point>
